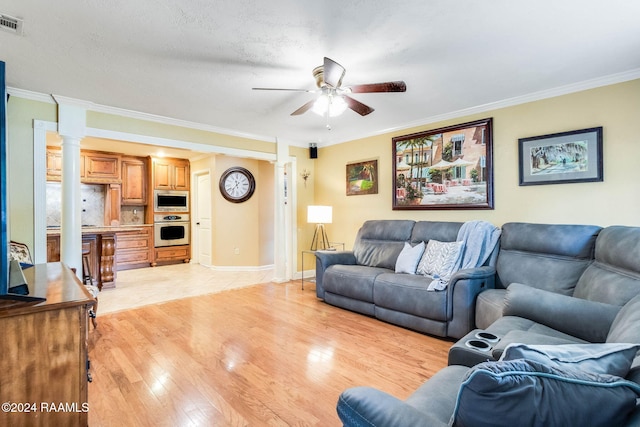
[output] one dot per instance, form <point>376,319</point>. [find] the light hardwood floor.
<point>264,355</point>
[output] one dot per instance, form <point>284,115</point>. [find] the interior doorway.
<point>201,251</point>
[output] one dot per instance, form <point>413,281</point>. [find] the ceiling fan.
<point>334,98</point>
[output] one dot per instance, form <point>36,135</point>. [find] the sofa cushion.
<point>588,320</point>
<point>409,258</point>
<point>626,325</point>
<point>546,256</point>
<point>440,259</point>
<point>614,277</point>
<point>613,359</point>
<point>519,392</point>
<point>352,281</point>
<point>379,242</point>
<point>409,294</point>
<point>444,231</point>
<point>489,305</point>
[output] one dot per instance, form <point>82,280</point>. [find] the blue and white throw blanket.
<point>480,239</point>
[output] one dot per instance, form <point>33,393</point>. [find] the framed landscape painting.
<point>445,168</point>
<point>560,158</point>
<point>362,178</point>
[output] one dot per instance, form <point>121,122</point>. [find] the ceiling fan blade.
<point>358,106</point>
<point>398,86</point>
<point>291,90</point>
<point>306,107</point>
<point>333,72</point>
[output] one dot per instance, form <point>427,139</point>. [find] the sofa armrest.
<point>367,406</point>
<point>463,288</point>
<point>324,260</point>
<point>584,319</point>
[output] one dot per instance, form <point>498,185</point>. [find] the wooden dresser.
<point>43,352</point>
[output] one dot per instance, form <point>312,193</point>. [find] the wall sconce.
<point>305,175</point>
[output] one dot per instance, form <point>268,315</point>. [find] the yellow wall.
<point>614,201</point>
<point>161,130</point>
<point>20,115</point>
<point>305,196</point>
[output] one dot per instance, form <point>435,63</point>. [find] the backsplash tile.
<point>92,199</point>
<point>132,215</point>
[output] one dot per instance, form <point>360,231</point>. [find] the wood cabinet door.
<point>134,182</point>
<point>53,248</point>
<point>162,179</point>
<point>54,164</point>
<point>100,166</point>
<point>181,175</point>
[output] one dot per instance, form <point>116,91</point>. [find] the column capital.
<point>72,117</point>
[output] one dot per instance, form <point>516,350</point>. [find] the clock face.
<point>237,184</point>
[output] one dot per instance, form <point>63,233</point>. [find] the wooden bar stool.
<point>87,279</point>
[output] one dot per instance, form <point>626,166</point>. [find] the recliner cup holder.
<point>480,345</point>
<point>487,336</point>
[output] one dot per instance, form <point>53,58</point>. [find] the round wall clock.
<point>237,184</point>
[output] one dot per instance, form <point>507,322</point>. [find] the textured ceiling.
<point>197,60</point>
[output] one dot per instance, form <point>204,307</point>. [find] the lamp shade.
<point>319,214</point>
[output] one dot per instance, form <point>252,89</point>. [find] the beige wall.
<point>614,201</point>
<point>245,228</point>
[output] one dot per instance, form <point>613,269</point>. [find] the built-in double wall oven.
<point>171,201</point>
<point>171,219</point>
<point>171,229</point>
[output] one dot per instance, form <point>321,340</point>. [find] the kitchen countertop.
<point>53,231</point>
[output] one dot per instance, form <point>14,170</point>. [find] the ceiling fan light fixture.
<point>334,104</point>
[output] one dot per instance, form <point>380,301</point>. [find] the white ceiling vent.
<point>11,24</point>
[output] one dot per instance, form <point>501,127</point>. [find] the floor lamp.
<point>319,215</point>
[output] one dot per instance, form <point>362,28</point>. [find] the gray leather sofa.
<point>602,307</point>
<point>364,280</point>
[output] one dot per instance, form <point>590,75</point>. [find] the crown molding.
<point>98,108</point>
<point>509,102</point>
<point>30,95</point>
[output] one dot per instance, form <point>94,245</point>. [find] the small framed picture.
<point>362,178</point>
<point>561,158</point>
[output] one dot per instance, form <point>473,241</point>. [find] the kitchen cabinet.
<point>171,254</point>
<point>54,164</point>
<point>134,249</point>
<point>101,167</point>
<point>170,174</point>
<point>45,358</point>
<point>96,167</point>
<point>134,181</point>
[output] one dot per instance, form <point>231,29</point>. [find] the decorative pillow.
<point>409,257</point>
<point>440,258</point>
<point>525,392</point>
<point>613,359</point>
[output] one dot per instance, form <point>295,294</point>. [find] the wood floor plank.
<point>268,354</point>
